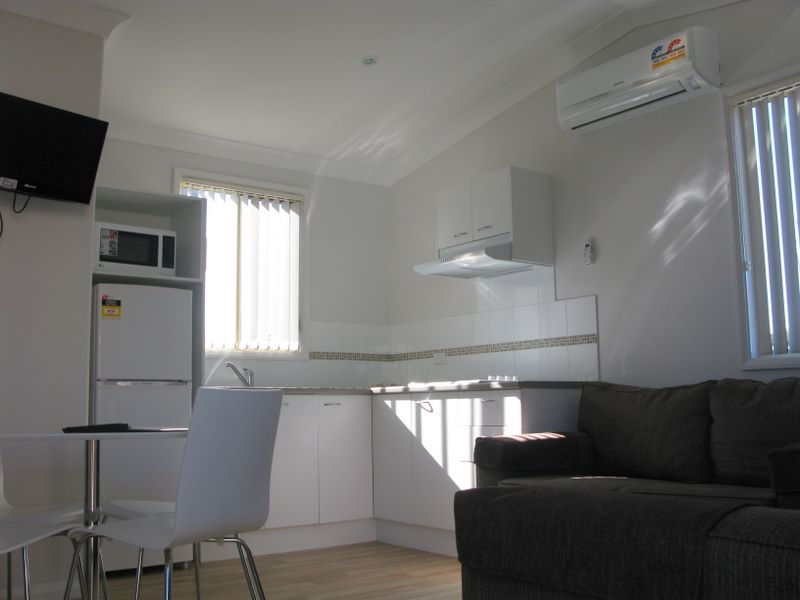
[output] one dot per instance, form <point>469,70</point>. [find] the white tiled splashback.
<point>519,329</point>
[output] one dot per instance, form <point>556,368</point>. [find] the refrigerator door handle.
<point>139,382</point>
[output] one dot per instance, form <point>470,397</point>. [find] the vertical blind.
<point>768,149</point>
<point>252,268</point>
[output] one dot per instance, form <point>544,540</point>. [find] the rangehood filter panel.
<point>487,262</point>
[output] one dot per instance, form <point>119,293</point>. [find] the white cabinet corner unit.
<point>423,444</point>
<point>507,205</point>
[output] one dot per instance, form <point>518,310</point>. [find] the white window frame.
<point>742,191</point>
<point>256,184</point>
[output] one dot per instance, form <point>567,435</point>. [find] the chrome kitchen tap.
<point>248,378</point>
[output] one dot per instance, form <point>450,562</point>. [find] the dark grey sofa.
<point>672,493</point>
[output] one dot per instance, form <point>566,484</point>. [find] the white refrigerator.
<point>141,375</point>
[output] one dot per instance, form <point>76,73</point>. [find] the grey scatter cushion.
<point>749,419</point>
<point>658,433</point>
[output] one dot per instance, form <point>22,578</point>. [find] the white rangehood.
<point>486,258</point>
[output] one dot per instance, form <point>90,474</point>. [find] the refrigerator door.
<point>142,332</point>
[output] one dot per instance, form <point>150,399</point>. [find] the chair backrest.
<point>223,487</point>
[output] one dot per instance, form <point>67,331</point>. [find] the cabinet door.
<point>491,204</point>
<point>345,458</point>
<point>294,489</point>
<point>437,463</point>
<point>393,441</point>
<point>453,215</point>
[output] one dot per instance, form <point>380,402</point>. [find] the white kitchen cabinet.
<point>454,215</point>
<point>393,430</point>
<point>187,218</point>
<point>491,204</point>
<point>345,458</point>
<point>422,450</point>
<point>294,487</point>
<point>322,466</point>
<point>509,204</point>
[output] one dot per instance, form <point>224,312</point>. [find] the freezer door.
<point>142,332</point>
<point>143,403</point>
<point>135,469</point>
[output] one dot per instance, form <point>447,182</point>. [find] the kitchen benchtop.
<point>435,386</point>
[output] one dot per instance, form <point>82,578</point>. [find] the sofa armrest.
<point>784,475</point>
<point>504,456</point>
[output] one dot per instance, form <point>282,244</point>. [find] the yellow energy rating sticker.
<point>110,308</point>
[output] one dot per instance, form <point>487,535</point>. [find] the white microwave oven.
<point>132,250</point>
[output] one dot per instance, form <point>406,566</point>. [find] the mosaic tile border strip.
<point>553,342</point>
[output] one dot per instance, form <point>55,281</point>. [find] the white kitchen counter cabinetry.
<point>422,449</point>
<point>345,458</point>
<point>423,444</point>
<point>294,487</point>
<point>322,467</point>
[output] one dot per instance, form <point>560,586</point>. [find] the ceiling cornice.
<point>151,135</point>
<point>74,15</point>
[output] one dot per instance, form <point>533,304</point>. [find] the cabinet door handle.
<point>333,404</point>
<point>460,234</point>
<point>484,227</point>
<point>424,405</point>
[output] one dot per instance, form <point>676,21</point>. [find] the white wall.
<point>346,287</point>
<point>653,193</point>
<point>44,270</point>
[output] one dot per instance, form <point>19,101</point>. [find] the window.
<point>767,147</point>
<point>252,267</point>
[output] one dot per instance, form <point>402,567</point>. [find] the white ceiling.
<point>282,80</point>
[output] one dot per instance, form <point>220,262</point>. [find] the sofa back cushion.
<point>645,432</point>
<point>749,419</point>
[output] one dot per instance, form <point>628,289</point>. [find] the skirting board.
<point>291,539</point>
<point>438,541</point>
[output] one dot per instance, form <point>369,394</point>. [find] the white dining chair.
<point>21,526</point>
<point>17,533</point>
<point>223,487</point>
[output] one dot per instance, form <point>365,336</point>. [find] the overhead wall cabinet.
<point>509,204</point>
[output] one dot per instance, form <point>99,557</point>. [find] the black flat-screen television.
<point>48,152</point>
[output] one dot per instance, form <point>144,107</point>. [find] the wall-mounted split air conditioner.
<point>679,67</point>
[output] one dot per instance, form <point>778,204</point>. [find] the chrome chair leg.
<point>81,576</point>
<point>249,566</point>
<point>104,579</point>
<point>253,570</point>
<point>74,564</point>
<point>139,564</point>
<point>26,575</point>
<point>246,568</point>
<point>196,561</point>
<point>168,574</point>
<point>9,583</point>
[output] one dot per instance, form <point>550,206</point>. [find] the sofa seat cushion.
<point>633,485</point>
<point>764,544</point>
<point>750,419</point>
<point>594,544</point>
<point>647,432</point>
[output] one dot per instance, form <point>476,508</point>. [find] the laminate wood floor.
<point>371,571</point>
